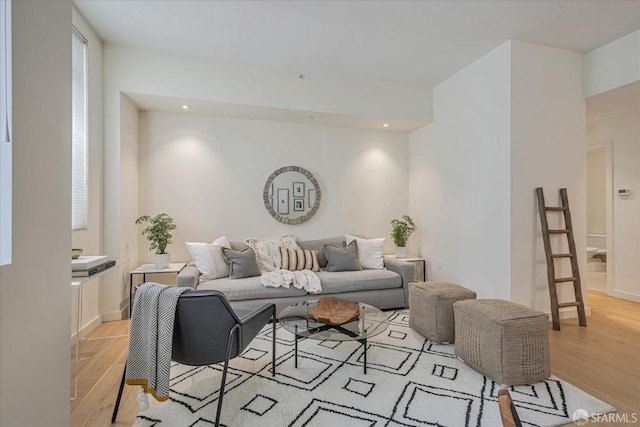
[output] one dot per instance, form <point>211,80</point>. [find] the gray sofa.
<point>385,289</point>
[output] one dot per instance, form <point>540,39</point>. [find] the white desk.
<point>78,282</point>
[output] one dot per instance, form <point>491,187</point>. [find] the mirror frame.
<point>277,216</point>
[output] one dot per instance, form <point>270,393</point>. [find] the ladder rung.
<point>569,304</point>
<point>562,256</point>
<point>565,279</point>
<point>563,231</point>
<point>556,208</point>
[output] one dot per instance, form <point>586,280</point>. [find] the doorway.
<point>599,274</point>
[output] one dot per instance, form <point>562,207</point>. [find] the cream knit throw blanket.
<point>267,252</point>
<point>151,338</point>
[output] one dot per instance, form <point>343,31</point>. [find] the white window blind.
<point>79,191</point>
<point>5,132</point>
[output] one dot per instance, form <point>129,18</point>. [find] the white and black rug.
<point>409,382</point>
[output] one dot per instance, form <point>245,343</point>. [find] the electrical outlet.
<point>439,264</point>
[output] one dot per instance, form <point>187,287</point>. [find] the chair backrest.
<point>508,412</point>
<point>203,322</point>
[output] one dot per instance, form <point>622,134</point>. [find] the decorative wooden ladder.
<point>551,257</point>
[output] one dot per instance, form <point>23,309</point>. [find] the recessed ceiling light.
<point>386,125</point>
<point>186,107</point>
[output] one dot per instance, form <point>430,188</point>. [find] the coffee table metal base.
<point>345,331</point>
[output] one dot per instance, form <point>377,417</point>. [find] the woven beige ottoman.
<point>505,341</point>
<point>431,308</point>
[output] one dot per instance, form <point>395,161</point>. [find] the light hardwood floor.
<point>602,359</point>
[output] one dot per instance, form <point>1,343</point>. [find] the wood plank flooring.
<point>602,359</point>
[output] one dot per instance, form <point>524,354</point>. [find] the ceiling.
<point>415,42</point>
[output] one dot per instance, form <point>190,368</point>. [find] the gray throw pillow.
<point>241,263</point>
<point>342,259</point>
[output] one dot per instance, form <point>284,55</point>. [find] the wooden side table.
<point>420,267</point>
<point>144,269</point>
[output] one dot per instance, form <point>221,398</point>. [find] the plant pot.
<point>162,260</point>
<point>401,251</point>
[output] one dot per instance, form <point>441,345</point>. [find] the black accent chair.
<point>204,322</point>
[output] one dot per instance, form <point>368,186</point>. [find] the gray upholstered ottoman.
<point>505,341</point>
<point>431,308</point>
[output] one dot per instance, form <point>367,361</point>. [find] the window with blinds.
<point>79,168</point>
<point>5,131</point>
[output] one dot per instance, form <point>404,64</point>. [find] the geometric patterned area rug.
<point>410,381</point>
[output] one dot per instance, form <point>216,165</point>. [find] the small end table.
<point>420,267</point>
<point>144,269</point>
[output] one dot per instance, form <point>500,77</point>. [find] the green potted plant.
<point>159,235</point>
<point>401,230</point>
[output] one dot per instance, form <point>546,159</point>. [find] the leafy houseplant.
<point>158,233</point>
<point>401,230</point>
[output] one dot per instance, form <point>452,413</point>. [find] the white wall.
<point>90,240</point>
<point>129,186</point>
<point>624,131</point>
<point>547,150</point>
<point>123,242</point>
<point>509,122</point>
<point>612,65</point>
<point>34,290</point>
<point>460,178</point>
<point>208,173</point>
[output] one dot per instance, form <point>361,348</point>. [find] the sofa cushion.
<point>209,259</point>
<point>248,289</point>
<point>365,280</point>
<point>242,263</point>
<point>298,259</point>
<point>318,245</point>
<point>369,251</point>
<point>342,259</point>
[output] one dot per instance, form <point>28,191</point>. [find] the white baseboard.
<point>626,295</point>
<point>86,329</point>
<point>122,314</point>
<point>116,315</point>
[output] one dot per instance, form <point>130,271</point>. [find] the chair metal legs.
<point>273,344</point>
<point>224,371</point>
<point>117,405</point>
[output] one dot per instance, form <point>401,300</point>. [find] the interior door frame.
<point>609,194</point>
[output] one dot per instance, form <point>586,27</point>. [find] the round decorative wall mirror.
<point>291,195</point>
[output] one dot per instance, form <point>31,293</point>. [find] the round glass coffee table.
<point>371,322</point>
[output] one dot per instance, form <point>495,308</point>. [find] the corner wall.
<point>460,178</point>
<point>35,289</point>
<point>548,126</point>
<point>506,124</point>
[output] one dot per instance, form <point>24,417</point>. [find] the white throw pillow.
<point>209,259</point>
<point>369,251</point>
